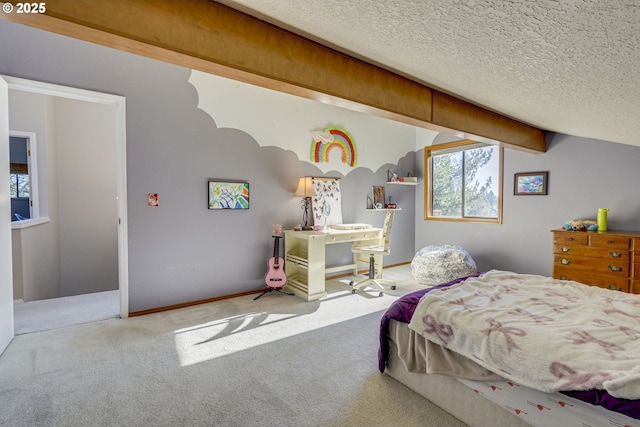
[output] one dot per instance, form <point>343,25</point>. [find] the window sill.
<point>26,223</point>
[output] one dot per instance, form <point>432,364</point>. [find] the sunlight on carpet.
<point>284,317</point>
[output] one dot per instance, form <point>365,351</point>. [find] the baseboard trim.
<point>191,303</point>
<point>220,298</point>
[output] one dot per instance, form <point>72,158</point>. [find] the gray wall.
<point>180,251</point>
<point>584,175</point>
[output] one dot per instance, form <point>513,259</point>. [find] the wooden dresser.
<point>609,259</point>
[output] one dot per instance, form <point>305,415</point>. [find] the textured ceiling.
<point>569,66</point>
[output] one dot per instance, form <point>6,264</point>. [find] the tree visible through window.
<point>464,182</point>
<point>19,186</point>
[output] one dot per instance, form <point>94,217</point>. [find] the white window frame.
<point>32,165</point>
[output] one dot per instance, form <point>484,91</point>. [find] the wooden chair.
<point>374,279</point>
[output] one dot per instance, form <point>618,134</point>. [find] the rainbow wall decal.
<point>341,141</point>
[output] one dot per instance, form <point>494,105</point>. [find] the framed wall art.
<point>531,184</point>
<point>377,193</point>
<point>228,195</point>
<point>327,203</point>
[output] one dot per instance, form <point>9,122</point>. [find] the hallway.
<point>44,315</point>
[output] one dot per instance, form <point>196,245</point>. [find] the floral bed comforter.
<point>547,334</point>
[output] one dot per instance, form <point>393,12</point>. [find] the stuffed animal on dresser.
<point>581,225</point>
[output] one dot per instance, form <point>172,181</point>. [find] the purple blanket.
<point>402,310</point>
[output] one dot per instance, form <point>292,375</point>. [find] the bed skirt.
<point>450,394</point>
<point>489,403</point>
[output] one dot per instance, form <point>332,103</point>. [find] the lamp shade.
<point>305,187</point>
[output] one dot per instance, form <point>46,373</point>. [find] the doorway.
<point>82,201</point>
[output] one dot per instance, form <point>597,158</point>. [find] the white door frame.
<point>6,281</point>
<point>121,163</point>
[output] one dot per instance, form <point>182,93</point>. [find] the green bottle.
<point>602,219</point>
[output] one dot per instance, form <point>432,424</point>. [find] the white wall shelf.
<point>383,209</point>
<point>401,183</point>
<point>394,179</point>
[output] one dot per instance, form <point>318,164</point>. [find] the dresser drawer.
<point>579,250</point>
<point>571,238</point>
<point>615,267</point>
<point>592,252</point>
<point>601,281</point>
<point>635,269</point>
<point>610,242</point>
<point>609,259</point>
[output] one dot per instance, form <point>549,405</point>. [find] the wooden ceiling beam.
<point>210,37</point>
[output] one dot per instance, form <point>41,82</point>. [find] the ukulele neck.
<point>276,246</point>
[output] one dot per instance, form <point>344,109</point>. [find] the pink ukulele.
<point>275,277</point>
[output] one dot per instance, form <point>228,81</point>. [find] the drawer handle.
<point>565,261</point>
<point>563,278</point>
<point>565,249</point>
<point>570,239</point>
<point>615,254</point>
<point>609,242</point>
<point>614,288</point>
<point>614,268</point>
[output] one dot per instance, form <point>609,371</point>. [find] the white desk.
<point>305,260</point>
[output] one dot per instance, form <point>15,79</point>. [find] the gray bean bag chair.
<point>433,265</point>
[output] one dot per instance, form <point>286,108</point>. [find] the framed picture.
<point>530,184</point>
<point>228,195</point>
<point>378,197</point>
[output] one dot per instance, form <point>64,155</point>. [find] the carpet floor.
<point>278,361</point>
<point>55,313</point>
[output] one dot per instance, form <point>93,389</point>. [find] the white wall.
<point>86,184</point>
<point>76,252</point>
<point>17,269</point>
<point>285,121</point>
<point>6,292</point>
<point>38,252</point>
<point>35,256</point>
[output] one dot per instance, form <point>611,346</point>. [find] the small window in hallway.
<point>21,177</point>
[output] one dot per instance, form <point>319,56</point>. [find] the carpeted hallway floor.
<point>55,313</point>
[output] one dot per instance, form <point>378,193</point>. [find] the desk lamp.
<point>306,191</point>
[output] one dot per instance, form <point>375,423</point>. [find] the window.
<point>464,182</point>
<point>19,185</point>
<point>22,176</point>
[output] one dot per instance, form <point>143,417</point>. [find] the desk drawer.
<point>352,237</point>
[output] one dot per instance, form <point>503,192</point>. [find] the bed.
<point>506,349</point>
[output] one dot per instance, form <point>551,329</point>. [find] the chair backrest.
<point>386,229</point>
